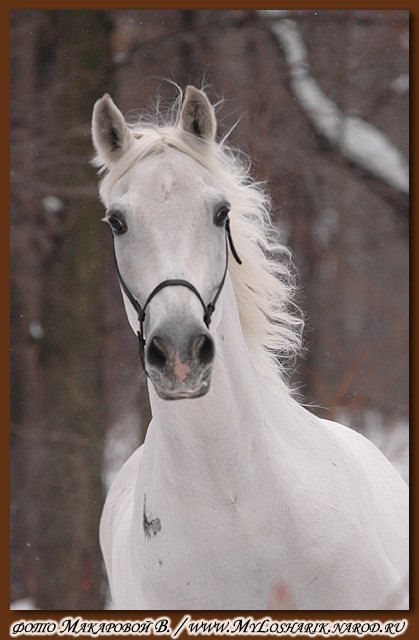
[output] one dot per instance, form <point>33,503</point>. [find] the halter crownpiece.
<point>208,309</point>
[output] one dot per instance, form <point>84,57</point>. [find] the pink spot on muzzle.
<point>181,370</point>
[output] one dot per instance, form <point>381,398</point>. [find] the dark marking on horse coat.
<point>151,527</point>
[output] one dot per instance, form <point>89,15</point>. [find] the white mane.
<point>263,284</point>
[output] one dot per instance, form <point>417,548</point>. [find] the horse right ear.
<point>111,136</point>
<point>197,114</point>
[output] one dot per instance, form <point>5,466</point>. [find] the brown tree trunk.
<point>65,377</point>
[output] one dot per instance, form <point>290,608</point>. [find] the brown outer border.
<point>7,616</point>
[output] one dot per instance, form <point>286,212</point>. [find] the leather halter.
<point>208,309</point>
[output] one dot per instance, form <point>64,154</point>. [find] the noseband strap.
<point>208,308</point>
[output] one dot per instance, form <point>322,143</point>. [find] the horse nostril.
<point>157,353</point>
<point>203,349</point>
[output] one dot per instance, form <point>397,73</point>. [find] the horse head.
<point>169,217</point>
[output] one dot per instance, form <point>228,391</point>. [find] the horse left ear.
<point>197,114</point>
<point>111,136</point>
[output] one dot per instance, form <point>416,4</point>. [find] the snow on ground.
<point>26,604</point>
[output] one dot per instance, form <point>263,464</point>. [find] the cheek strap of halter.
<point>208,309</point>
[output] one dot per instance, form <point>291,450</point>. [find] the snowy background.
<point>321,103</point>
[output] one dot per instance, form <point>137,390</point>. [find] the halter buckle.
<point>208,313</point>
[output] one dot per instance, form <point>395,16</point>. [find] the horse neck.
<point>210,439</point>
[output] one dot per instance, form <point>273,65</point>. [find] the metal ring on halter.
<point>208,309</point>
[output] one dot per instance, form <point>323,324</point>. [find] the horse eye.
<point>117,225</point>
<point>221,216</point>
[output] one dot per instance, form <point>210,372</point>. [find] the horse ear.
<point>197,114</point>
<point>111,136</point>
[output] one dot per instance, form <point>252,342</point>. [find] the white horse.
<point>238,493</point>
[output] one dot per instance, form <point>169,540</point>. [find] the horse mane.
<point>264,284</point>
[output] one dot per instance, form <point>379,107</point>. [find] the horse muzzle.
<point>179,364</point>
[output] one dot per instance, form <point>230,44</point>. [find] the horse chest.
<point>223,556</point>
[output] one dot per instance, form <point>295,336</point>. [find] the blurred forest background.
<point>78,403</point>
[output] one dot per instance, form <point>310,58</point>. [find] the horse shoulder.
<point>349,506</point>
<point>378,491</point>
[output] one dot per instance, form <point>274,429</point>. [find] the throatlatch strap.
<point>230,241</point>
